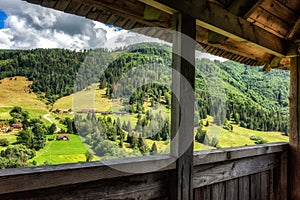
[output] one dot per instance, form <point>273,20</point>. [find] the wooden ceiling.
<point>254,32</point>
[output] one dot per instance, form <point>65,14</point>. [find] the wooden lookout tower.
<point>253,32</point>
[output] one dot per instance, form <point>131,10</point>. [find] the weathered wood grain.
<point>232,191</point>
<point>83,10</point>
<point>255,186</point>
<point>73,7</point>
<point>214,173</point>
<point>218,191</point>
<point>146,186</point>
<point>202,193</point>
<point>15,180</point>
<point>265,20</point>
<point>62,5</point>
<point>265,185</point>
<point>294,131</point>
<point>94,13</point>
<point>244,188</point>
<point>208,15</point>
<point>49,3</point>
<point>285,14</point>
<point>212,156</point>
<point>182,111</point>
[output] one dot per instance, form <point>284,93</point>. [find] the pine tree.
<point>153,150</point>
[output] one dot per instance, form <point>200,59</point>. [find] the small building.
<point>63,137</point>
<point>57,110</point>
<point>16,126</point>
<point>88,111</point>
<point>3,129</point>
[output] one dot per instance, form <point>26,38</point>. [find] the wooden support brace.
<point>294,133</point>
<point>182,111</point>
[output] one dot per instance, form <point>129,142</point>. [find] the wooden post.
<point>182,109</point>
<point>294,132</point>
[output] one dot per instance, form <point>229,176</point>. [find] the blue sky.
<point>3,17</point>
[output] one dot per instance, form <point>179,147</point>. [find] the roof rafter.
<point>208,15</point>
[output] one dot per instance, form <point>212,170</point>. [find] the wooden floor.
<point>251,172</point>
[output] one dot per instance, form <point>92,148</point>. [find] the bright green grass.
<point>12,138</point>
<point>241,137</point>
<point>198,146</point>
<point>4,113</point>
<point>59,152</point>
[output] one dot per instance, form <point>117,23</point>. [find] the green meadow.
<point>60,151</point>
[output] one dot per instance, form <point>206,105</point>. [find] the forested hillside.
<point>254,99</point>
<point>52,71</point>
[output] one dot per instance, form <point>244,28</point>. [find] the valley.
<point>98,122</point>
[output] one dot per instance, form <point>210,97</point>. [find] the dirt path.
<point>46,117</point>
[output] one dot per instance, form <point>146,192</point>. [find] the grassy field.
<point>58,152</point>
<point>90,98</point>
<point>241,136</point>
<point>11,137</point>
<point>15,92</point>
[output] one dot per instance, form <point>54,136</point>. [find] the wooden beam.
<point>219,20</point>
<point>182,113</point>
<point>220,172</point>
<point>33,178</point>
<point>294,133</point>
<point>294,30</point>
<point>242,7</point>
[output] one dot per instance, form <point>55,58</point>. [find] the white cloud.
<point>32,26</point>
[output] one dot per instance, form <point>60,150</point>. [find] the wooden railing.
<point>250,172</point>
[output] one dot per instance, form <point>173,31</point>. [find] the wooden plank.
<point>294,30</point>
<point>49,3</point>
<point>130,9</point>
<point>241,7</point>
<point>62,4</point>
<point>73,7</point>
<point>145,186</point>
<point>244,188</point>
<point>219,155</point>
<point>112,19</point>
<point>232,189</point>
<point>272,192</point>
<point>292,5</point>
<point>284,175</point>
<point>285,14</point>
<point>94,13</point>
<point>202,193</point>
<point>214,173</point>
<point>265,185</point>
<point>208,16</point>
<point>83,10</point>
<point>294,131</point>
<point>182,135</point>
<point>15,180</point>
<point>280,179</point>
<point>270,22</point>
<point>121,22</point>
<point>255,188</point>
<point>104,16</point>
<point>129,24</point>
<point>218,191</point>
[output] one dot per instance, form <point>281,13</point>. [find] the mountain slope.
<point>254,99</point>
